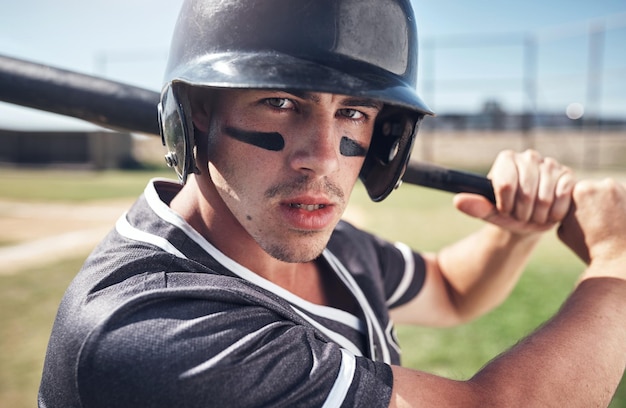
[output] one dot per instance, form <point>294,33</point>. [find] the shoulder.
<point>203,336</point>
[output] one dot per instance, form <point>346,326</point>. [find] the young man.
<point>244,288</point>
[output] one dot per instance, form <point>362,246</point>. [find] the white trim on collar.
<point>168,215</point>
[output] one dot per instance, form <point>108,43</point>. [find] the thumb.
<point>474,205</point>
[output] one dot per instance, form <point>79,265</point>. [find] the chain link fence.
<point>560,90</point>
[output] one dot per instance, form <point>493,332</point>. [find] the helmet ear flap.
<point>389,151</point>
<point>177,131</point>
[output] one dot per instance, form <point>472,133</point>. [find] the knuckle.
<point>610,183</point>
<point>532,155</point>
<point>543,203</point>
<point>505,188</point>
<point>567,170</point>
<point>524,199</point>
<point>587,187</point>
<point>562,194</point>
<point>550,164</point>
<point>506,154</point>
<point>583,187</point>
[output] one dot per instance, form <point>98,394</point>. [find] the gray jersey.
<point>158,317</point>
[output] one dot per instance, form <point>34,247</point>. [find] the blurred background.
<point>524,73</point>
<point>548,75</point>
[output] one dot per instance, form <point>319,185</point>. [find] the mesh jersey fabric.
<point>158,317</point>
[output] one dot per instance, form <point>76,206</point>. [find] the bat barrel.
<point>106,103</point>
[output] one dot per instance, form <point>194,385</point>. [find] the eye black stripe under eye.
<point>273,141</point>
<point>350,148</point>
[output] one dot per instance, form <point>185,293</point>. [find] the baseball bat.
<point>97,100</point>
<point>120,106</point>
<point>454,181</point>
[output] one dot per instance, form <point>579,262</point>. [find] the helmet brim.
<point>273,70</point>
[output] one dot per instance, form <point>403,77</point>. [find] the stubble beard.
<point>301,253</point>
<point>315,241</point>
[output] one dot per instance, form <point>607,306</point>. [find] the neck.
<point>204,210</point>
<point>312,281</point>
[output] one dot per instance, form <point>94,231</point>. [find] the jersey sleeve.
<point>229,350</point>
<point>404,274</point>
<point>395,268</point>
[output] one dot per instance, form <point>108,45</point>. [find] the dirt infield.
<point>34,234</point>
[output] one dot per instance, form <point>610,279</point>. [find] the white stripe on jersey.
<point>344,379</point>
<point>391,339</point>
<point>215,360</point>
<point>165,212</point>
<point>370,317</point>
<point>124,228</point>
<point>409,271</point>
<point>334,336</point>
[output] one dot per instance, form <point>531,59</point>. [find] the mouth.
<point>309,214</point>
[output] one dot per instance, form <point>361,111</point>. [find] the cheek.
<point>349,174</point>
<point>223,169</point>
<point>237,172</point>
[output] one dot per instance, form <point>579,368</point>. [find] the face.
<point>284,164</point>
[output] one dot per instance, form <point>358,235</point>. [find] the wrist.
<point>606,266</point>
<point>514,237</point>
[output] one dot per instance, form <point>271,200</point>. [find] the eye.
<point>280,103</point>
<point>351,114</point>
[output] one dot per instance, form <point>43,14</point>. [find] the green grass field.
<point>422,218</point>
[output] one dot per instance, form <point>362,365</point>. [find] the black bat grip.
<point>454,181</point>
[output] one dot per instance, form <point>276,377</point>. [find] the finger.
<point>563,196</point>
<point>474,205</point>
<point>504,178</point>
<point>528,168</point>
<point>550,172</point>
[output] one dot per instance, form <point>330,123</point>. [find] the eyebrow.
<point>349,101</point>
<point>365,102</point>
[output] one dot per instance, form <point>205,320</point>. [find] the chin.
<point>295,255</point>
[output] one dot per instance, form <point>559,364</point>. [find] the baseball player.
<point>241,286</point>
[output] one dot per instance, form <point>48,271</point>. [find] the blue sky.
<point>127,40</point>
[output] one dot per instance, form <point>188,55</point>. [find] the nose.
<point>315,147</point>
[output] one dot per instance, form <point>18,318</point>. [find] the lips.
<point>308,214</point>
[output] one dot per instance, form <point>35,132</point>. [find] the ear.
<point>200,103</point>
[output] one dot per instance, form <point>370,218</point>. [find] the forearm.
<point>482,269</point>
<point>576,360</point>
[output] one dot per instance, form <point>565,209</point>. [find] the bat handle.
<point>454,181</point>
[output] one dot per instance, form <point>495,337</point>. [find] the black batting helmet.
<point>365,48</point>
